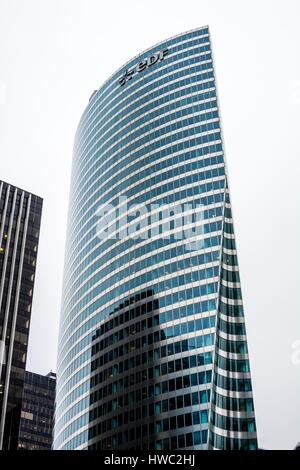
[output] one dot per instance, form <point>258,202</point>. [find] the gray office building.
<point>20,218</point>
<point>37,414</point>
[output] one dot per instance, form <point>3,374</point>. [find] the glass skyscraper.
<point>152,349</point>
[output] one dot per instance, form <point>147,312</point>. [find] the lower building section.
<point>181,385</point>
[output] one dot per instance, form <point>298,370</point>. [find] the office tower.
<point>20,217</point>
<point>37,414</point>
<point>152,350</point>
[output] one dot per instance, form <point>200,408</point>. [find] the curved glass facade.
<point>152,347</point>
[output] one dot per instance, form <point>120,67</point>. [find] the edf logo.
<point>144,64</point>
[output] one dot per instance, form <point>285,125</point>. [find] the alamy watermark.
<point>296,354</point>
<point>141,222</point>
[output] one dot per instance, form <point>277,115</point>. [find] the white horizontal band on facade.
<point>229,236</point>
<point>232,374</point>
<point>229,337</point>
<point>231,413</point>
<point>230,319</point>
<point>229,267</point>
<point>233,394</point>
<point>232,356</point>
<point>233,302</point>
<point>230,285</point>
<point>229,251</point>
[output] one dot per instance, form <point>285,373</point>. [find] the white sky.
<point>54,53</point>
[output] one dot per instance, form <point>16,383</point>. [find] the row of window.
<point>117,182</point>
<point>110,130</point>
<point>227,443</point>
<point>181,138</point>
<point>159,426</point>
<point>233,404</point>
<point>149,307</point>
<point>197,307</point>
<point>234,424</point>
<point>188,89</point>
<point>170,300</point>
<point>230,383</point>
<point>142,264</point>
<point>91,153</point>
<point>141,413</point>
<point>118,386</point>
<point>159,287</point>
<point>207,322</point>
<point>141,277</point>
<point>151,338</point>
<point>237,347</point>
<point>164,368</point>
<point>85,246</point>
<point>164,301</point>
<point>145,324</point>
<point>232,328</point>
<point>163,100</point>
<point>183,441</point>
<point>136,413</point>
<point>166,386</point>
<point>152,79</point>
<point>109,373</point>
<point>81,274</point>
<point>232,365</point>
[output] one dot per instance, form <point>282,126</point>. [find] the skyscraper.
<point>37,414</point>
<point>20,213</point>
<point>153,350</point>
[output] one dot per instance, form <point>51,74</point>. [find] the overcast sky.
<point>54,53</point>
